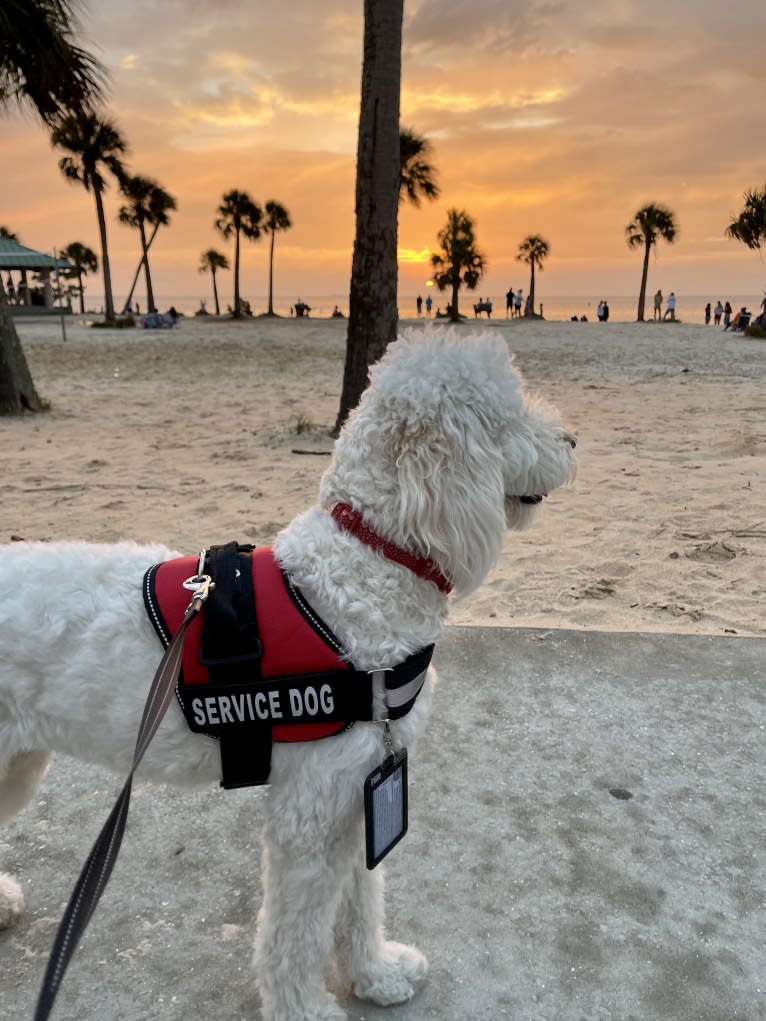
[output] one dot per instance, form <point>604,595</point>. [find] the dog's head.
<point>446,450</point>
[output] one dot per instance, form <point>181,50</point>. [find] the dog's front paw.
<point>393,979</point>
<point>11,902</point>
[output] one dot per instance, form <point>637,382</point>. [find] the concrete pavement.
<point>587,842</point>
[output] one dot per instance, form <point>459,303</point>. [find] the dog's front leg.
<point>380,970</point>
<point>303,878</point>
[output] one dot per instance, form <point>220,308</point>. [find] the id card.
<point>385,807</point>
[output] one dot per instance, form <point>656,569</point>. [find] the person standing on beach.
<point>509,304</point>
<point>726,315</point>
<point>707,314</point>
<point>658,305</point>
<point>419,304</point>
<point>717,313</point>
<point>605,312</point>
<point>517,299</point>
<point>429,303</point>
<point>670,307</point>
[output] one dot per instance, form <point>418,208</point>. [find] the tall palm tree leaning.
<point>277,218</point>
<point>148,203</point>
<point>459,261</point>
<point>83,260</point>
<point>533,250</point>
<point>417,176</point>
<point>372,309</point>
<point>649,223</point>
<point>210,262</point>
<point>95,145</point>
<point>43,69</point>
<point>238,215</point>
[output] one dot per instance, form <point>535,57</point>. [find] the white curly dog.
<point>444,453</point>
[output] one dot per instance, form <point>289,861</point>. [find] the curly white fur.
<point>437,457</point>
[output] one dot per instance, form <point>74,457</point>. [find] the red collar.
<point>353,522</point>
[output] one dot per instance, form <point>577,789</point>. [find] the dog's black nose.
<point>570,440</point>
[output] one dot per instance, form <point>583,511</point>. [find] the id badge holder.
<point>385,807</point>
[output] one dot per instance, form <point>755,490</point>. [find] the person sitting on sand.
<point>740,320</point>
<point>336,313</point>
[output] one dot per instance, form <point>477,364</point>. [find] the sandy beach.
<point>218,430</point>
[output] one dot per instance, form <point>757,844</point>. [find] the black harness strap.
<point>230,641</point>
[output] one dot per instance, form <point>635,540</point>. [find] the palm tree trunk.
<point>236,275</point>
<point>373,315</point>
<point>215,292</point>
<point>455,313</point>
<point>17,391</point>
<point>108,300</point>
<point>644,276</point>
<point>532,289</point>
<point>129,298</point>
<point>150,306</point>
<point>82,291</point>
<point>271,274</point>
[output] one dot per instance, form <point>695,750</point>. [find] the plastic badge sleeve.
<point>385,807</point>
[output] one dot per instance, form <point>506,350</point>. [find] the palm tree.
<point>41,68</point>
<point>417,175</point>
<point>237,215</point>
<point>459,261</point>
<point>750,226</point>
<point>84,261</point>
<point>373,315</point>
<point>533,250</point>
<point>649,223</point>
<point>6,233</point>
<point>211,262</point>
<point>277,218</point>
<point>95,145</point>
<point>40,65</point>
<point>148,203</point>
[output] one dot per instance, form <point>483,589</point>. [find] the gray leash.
<point>98,868</point>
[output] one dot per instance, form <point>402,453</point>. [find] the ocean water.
<point>622,308</point>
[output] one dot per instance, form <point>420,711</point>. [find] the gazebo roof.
<point>16,256</point>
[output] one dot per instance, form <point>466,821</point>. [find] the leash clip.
<point>201,585</point>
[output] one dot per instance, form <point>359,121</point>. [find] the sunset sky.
<point>549,117</point>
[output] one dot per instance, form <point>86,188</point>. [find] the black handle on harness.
<point>98,868</point>
<point>229,641</point>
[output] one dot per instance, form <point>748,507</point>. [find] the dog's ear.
<point>449,474</point>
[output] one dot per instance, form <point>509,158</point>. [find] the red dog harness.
<point>259,665</point>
